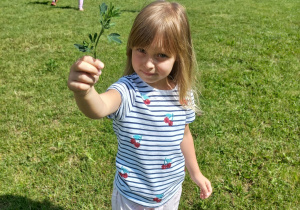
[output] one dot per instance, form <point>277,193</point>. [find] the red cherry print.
<point>170,123</point>
<point>147,102</point>
<point>125,175</point>
<point>167,120</point>
<point>132,141</point>
<point>164,166</point>
<point>121,174</point>
<point>157,200</point>
<point>169,165</point>
<point>137,144</point>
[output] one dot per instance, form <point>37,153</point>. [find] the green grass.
<point>247,141</point>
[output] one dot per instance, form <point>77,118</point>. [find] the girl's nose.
<point>149,63</point>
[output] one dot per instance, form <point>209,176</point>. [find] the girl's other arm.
<point>83,75</point>
<point>188,150</point>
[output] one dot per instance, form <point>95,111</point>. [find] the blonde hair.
<point>166,24</point>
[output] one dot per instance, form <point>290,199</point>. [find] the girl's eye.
<point>161,55</point>
<point>141,50</point>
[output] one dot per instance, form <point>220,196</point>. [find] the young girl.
<point>151,107</point>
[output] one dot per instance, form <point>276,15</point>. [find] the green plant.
<point>106,14</point>
<point>51,65</point>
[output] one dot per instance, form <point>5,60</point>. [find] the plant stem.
<point>95,49</point>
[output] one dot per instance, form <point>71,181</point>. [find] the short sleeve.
<point>190,113</point>
<point>125,87</point>
<point>190,116</point>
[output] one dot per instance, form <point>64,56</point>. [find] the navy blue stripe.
<point>127,154</point>
<point>150,155</point>
<point>149,185</point>
<point>155,131</point>
<point>151,135</point>
<point>149,150</point>
<point>164,112</point>
<point>155,121</point>
<point>148,140</point>
<point>143,124</point>
<point>131,157</point>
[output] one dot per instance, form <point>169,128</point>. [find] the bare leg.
<point>80,5</point>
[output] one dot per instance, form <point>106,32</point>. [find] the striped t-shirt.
<point>149,126</point>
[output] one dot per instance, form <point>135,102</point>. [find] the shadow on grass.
<point>65,7</point>
<point>130,11</point>
<point>54,7</point>
<point>13,202</point>
<point>40,2</point>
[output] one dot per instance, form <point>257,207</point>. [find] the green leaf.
<point>116,12</point>
<point>95,37</point>
<point>103,9</point>
<point>114,37</point>
<point>91,38</point>
<point>78,46</point>
<point>82,48</point>
<point>107,24</point>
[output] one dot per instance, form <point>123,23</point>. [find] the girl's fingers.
<point>89,65</point>
<point>206,190</point>
<point>95,62</point>
<point>209,188</point>
<point>81,81</point>
<point>204,194</point>
<point>84,73</point>
<point>79,86</point>
<point>86,78</point>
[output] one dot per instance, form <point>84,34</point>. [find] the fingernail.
<point>100,66</point>
<point>99,72</point>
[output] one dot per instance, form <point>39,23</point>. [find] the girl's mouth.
<point>148,74</point>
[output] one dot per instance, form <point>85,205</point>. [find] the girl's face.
<point>153,65</point>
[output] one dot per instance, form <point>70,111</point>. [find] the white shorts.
<point>119,202</point>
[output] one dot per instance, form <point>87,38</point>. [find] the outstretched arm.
<point>83,75</point>
<point>188,150</point>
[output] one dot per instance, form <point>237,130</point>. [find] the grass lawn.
<point>247,140</point>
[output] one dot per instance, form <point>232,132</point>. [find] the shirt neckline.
<point>153,88</point>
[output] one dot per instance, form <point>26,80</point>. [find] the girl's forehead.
<point>159,42</point>
<point>156,49</point>
<point>158,45</point>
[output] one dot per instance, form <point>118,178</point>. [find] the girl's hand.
<point>205,186</point>
<point>84,73</point>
